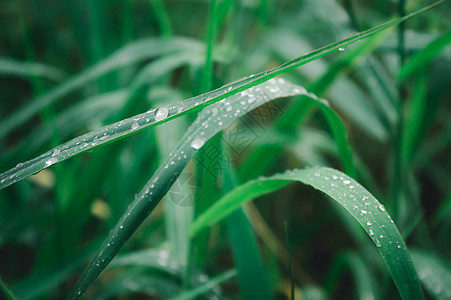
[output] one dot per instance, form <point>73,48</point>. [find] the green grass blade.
<point>159,259</point>
<point>10,67</point>
<point>341,139</point>
<point>207,75</point>
<point>74,118</point>
<point>360,272</point>
<point>205,287</point>
<point>433,273</point>
<point>135,52</point>
<point>208,123</point>
<point>138,284</point>
<point>253,278</point>
<point>162,17</point>
<point>5,293</point>
<point>134,124</point>
<point>178,216</point>
<point>371,215</point>
<point>424,56</point>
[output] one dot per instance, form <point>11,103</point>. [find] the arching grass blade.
<point>371,215</point>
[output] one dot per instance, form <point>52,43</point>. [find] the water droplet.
<point>378,243</point>
<point>220,123</point>
<point>364,211</point>
<point>341,49</point>
<point>197,143</point>
<point>346,181</point>
<point>56,152</point>
<point>229,108</point>
<point>135,125</point>
<point>371,232</point>
<point>122,226</point>
<point>161,114</point>
<point>369,223</point>
<point>51,161</point>
<point>381,207</point>
<point>274,89</point>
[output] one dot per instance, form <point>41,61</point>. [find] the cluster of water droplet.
<point>358,203</point>
<point>217,115</point>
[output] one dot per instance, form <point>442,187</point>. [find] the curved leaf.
<point>208,123</point>
<point>10,67</point>
<point>371,215</point>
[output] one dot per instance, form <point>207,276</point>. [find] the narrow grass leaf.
<point>363,279</point>
<point>179,202</point>
<point>424,56</point>
<point>433,273</point>
<point>138,284</point>
<point>205,287</point>
<point>371,215</point>
<point>159,259</point>
<point>341,139</point>
<point>91,110</point>
<point>5,293</point>
<point>11,67</point>
<point>121,129</point>
<point>132,53</point>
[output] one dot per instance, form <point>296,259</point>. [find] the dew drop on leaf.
<point>56,151</point>
<point>161,114</point>
<point>197,143</point>
<point>51,161</point>
<point>378,243</point>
